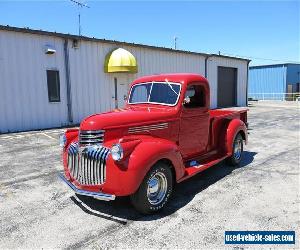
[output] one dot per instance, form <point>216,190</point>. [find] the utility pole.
<point>80,6</point>
<point>175,42</point>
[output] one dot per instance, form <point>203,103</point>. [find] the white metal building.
<point>50,79</point>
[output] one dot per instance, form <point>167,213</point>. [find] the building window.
<point>53,85</point>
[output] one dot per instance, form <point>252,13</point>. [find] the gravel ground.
<point>38,211</point>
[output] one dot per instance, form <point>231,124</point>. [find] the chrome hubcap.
<point>157,188</point>
<point>238,149</point>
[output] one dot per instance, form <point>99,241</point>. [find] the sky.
<point>267,32</point>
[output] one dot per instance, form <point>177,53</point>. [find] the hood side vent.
<point>147,128</point>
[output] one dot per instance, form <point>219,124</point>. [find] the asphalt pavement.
<point>38,211</point>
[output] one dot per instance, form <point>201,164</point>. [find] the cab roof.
<point>182,78</point>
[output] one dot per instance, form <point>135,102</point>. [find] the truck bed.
<point>229,113</point>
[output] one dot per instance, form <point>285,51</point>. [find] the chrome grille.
<point>89,137</point>
<point>88,164</point>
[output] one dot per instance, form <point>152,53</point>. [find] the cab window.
<point>194,97</point>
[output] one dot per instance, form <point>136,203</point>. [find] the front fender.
<point>125,177</point>
<point>71,135</point>
<point>234,127</point>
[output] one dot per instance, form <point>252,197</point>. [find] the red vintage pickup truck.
<point>165,134</point>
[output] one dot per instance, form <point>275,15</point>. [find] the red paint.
<point>192,134</point>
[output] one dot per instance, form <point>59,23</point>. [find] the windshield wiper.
<point>171,87</point>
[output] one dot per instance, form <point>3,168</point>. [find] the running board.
<point>199,167</point>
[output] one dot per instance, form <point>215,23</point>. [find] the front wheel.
<point>155,190</point>
<point>237,151</point>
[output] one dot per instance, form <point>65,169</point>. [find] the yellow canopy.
<point>120,60</point>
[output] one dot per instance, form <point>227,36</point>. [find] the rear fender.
<point>234,127</point>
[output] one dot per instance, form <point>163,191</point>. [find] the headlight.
<point>117,152</point>
<point>62,140</point>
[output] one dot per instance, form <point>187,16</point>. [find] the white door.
<point>121,86</point>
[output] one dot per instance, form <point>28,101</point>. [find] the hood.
<point>126,117</point>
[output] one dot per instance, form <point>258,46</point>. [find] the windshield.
<point>155,92</point>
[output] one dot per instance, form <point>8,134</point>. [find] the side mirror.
<point>125,98</point>
<point>186,100</point>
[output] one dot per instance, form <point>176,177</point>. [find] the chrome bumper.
<point>96,195</point>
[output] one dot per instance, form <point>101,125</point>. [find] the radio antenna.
<point>175,42</point>
<point>80,6</point>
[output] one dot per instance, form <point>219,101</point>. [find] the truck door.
<point>194,122</point>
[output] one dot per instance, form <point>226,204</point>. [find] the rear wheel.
<point>237,151</point>
<point>155,190</point>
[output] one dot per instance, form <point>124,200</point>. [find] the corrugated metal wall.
<point>24,101</point>
<point>212,69</point>
<point>269,80</point>
<point>93,90</point>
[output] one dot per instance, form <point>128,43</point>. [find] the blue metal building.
<point>274,82</point>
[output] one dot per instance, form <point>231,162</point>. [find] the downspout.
<point>247,82</point>
<point>68,81</point>
<point>206,73</point>
<point>206,60</point>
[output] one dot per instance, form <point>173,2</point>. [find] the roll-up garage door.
<point>227,86</point>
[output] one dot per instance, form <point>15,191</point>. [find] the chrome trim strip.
<point>91,141</point>
<point>153,125</point>
<point>145,128</point>
<point>148,128</point>
<point>92,131</point>
<point>100,196</point>
<point>91,136</point>
<point>87,137</point>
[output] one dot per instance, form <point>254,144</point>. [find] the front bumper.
<point>96,195</point>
